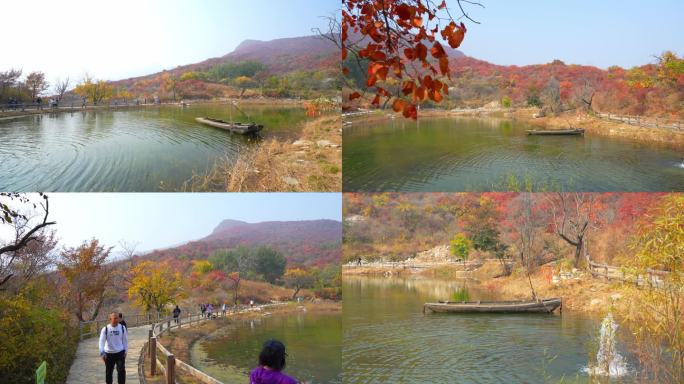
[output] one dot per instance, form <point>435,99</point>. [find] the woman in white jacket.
<point>113,348</point>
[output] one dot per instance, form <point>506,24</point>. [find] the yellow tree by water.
<point>153,286</point>
<point>658,311</point>
<point>94,90</point>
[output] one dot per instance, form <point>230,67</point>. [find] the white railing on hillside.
<point>652,278</point>
<point>642,121</point>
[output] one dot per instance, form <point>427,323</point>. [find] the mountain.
<point>306,243</point>
<point>281,56</point>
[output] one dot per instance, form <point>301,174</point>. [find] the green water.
<point>142,149</point>
<point>461,154</point>
<point>387,338</point>
<point>313,342</point>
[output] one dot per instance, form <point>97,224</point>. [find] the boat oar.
<point>241,111</point>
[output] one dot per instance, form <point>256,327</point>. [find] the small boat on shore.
<point>240,128</point>
<point>520,306</point>
<point>557,132</point>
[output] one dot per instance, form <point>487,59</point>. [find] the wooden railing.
<point>163,362</point>
<point>642,121</point>
<point>92,328</point>
<point>653,278</point>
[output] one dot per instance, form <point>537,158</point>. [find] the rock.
<point>615,296</point>
<point>323,143</point>
<point>595,302</point>
<point>290,180</point>
<point>301,143</point>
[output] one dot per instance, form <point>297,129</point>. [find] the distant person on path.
<point>113,348</point>
<point>122,321</point>
<point>223,308</point>
<point>271,363</point>
<point>251,303</point>
<point>176,314</point>
<point>203,309</point>
<point>210,309</point>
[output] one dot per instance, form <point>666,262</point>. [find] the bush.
<point>31,333</point>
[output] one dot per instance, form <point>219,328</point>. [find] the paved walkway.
<point>88,367</point>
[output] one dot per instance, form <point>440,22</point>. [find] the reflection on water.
<point>482,154</point>
<point>144,149</point>
<point>313,343</point>
<point>387,338</point>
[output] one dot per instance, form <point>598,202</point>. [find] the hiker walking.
<point>176,314</point>
<point>203,309</point>
<point>113,348</point>
<point>210,309</point>
<point>122,321</point>
<point>223,309</point>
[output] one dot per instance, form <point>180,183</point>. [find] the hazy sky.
<point>159,220</point>
<point>593,32</point>
<point>125,38</point>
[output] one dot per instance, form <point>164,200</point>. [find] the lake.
<point>139,149</point>
<point>388,339</point>
<point>467,154</point>
<point>313,342</point>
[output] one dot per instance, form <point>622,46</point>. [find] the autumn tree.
<point>61,87</point>
<point>13,254</point>
<point>154,285</point>
<point>8,79</point>
<point>36,84</point>
<point>298,279</point>
<point>481,223</point>
<point>659,244</point>
<point>460,247</point>
<point>87,277</point>
<point>401,40</point>
<point>573,216</point>
<point>244,82</point>
<point>94,90</point>
<point>237,264</point>
<point>169,84</point>
<point>526,224</point>
<point>551,95</point>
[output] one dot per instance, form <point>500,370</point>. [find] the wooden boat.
<point>241,128</point>
<point>557,132</point>
<point>522,306</point>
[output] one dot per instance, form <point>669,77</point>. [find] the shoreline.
<point>312,162</point>
<point>180,343</point>
<point>669,138</point>
<point>585,294</point>
<point>11,115</point>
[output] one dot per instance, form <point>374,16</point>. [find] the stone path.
<point>88,367</point>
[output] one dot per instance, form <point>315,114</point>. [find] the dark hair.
<point>273,355</point>
<point>120,315</point>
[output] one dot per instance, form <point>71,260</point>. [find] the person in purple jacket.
<point>271,363</point>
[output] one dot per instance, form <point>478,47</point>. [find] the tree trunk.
<point>578,251</point>
<point>294,295</point>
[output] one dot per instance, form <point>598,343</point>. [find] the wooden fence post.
<point>170,369</point>
<point>153,356</point>
<point>149,345</point>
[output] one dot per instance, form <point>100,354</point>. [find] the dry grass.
<point>586,294</point>
<point>312,163</point>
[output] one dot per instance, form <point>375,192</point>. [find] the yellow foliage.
<point>153,286</point>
